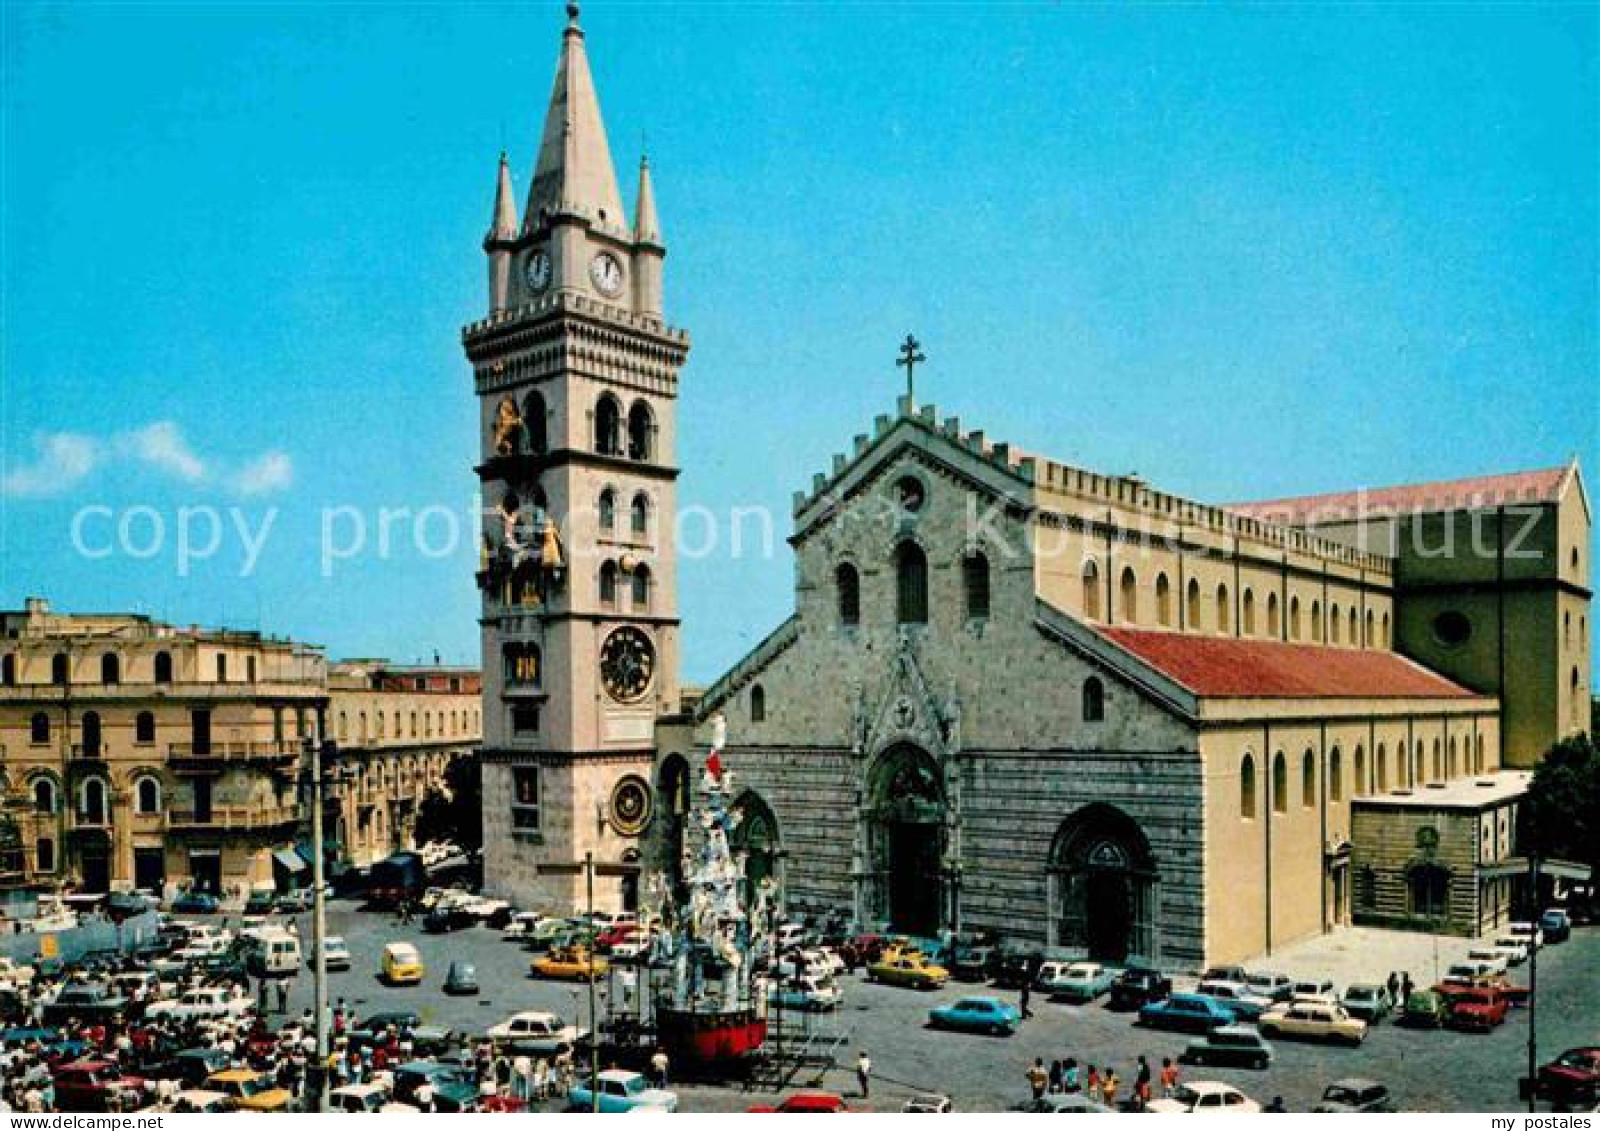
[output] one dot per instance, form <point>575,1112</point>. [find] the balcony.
<point>225,818</point>
<point>79,821</point>
<point>216,756</point>
<point>90,751</point>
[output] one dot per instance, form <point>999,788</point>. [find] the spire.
<point>504,224</point>
<point>646,228</point>
<point>574,171</point>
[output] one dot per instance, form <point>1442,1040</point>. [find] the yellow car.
<point>402,964</point>
<point>573,963</point>
<point>1312,1021</point>
<point>907,968</point>
<point>249,1090</point>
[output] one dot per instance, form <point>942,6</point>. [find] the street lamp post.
<point>1533,983</point>
<point>594,1021</point>
<point>317,1075</point>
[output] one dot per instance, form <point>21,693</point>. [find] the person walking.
<point>1055,1077</point>
<point>1169,1077</point>
<point>1109,1088</point>
<point>1405,987</point>
<point>864,1073</point>
<point>1394,987</point>
<point>659,1064</point>
<point>1070,1082</point>
<point>1022,1001</point>
<point>1038,1078</point>
<point>1141,1085</point>
<point>1091,1083</point>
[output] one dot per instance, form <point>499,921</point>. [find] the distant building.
<point>398,727</point>
<point>136,754</point>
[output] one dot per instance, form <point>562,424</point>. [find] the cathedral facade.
<point>1012,694</point>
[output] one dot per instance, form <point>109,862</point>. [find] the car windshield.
<point>634,1085</point>
<point>252,1087</point>
<point>1186,1095</point>
<point>1361,993</point>
<point>1577,1058</point>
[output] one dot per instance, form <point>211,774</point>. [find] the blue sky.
<point>1246,252</point>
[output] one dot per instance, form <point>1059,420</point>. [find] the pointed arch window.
<point>1316,622</point>
<point>1094,700</point>
<point>1224,611</point>
<point>608,583</point>
<point>608,426</point>
<point>1163,601</point>
<point>1192,613</point>
<point>1247,787</point>
<point>641,587</point>
<point>1383,639</point>
<point>607,508</point>
<point>1360,786</point>
<point>1355,629</point>
<point>1091,590</point>
<point>1380,759</point>
<point>1248,612</point>
<point>534,428</point>
<point>975,585</point>
<point>758,704</point>
<point>1128,597</point>
<point>1366,640</point>
<point>911,584</point>
<point>1333,624</point>
<point>848,582</point>
<point>639,513</point>
<point>1294,618</point>
<point>1336,775</point>
<point>1308,780</point>
<point>1274,625</point>
<point>641,431</point>
<point>1280,783</point>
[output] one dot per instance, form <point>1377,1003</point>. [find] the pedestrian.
<point>522,1078</point>
<point>1405,987</point>
<point>1022,1003</point>
<point>1109,1087</point>
<point>283,996</point>
<point>1091,1083</point>
<point>864,1073</point>
<point>1169,1077</point>
<point>1038,1078</point>
<point>1394,985</point>
<point>658,1062</point>
<point>1055,1077</point>
<point>1141,1085</point>
<point>1069,1076</point>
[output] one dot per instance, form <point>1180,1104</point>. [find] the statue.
<point>508,429</point>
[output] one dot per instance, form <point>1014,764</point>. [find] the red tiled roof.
<point>1228,667</point>
<point>1451,494</point>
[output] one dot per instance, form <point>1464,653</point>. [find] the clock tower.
<point>576,374</point>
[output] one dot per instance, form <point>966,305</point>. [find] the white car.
<point>1489,957</point>
<point>1205,1097</point>
<point>1528,933</point>
<point>483,908</point>
<point>206,1002</point>
<point>203,947</point>
<point>536,1032</point>
<point>804,963</point>
<point>521,925</point>
<point>1513,949</point>
<point>805,992</point>
<point>335,954</point>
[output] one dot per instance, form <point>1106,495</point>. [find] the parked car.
<point>250,1090</point>
<point>461,978</point>
<point>262,901</point>
<point>1205,1097</point>
<point>402,965</point>
<point>521,925</point>
<point>452,1084</point>
<point>193,1066</point>
<point>1370,1002</point>
<point>1012,966</point>
<point>907,969</point>
<point>1063,1103</point>
<point>1571,1079</point>
<point>196,903</point>
<point>535,1033</point>
<point>1355,1094</point>
<point>1423,1009</point>
<point>88,1001</point>
<point>1081,982</point>
<point>1270,985</point>
<point>447,917</point>
<point>359,1099</point>
<point>977,1015</point>
<point>1493,960</point>
<point>1512,949</point>
<point>569,963</point>
<point>621,1091</point>
<point>1313,1021</point>
<point>970,962</point>
<point>804,991</point>
<point>205,1003</point>
<point>1479,1009</point>
<point>1138,986</point>
<point>198,1101</point>
<point>92,1085</point>
<point>1237,997</point>
<point>807,1103</point>
<point>927,1103</point>
<point>1225,974</point>
<point>1187,1013</point>
<point>1230,1044</point>
<point>1314,989</point>
<point>1528,932</point>
<point>335,954</point>
<point>295,902</point>
<point>1555,925</point>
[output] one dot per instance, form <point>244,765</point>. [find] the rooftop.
<point>1542,486</point>
<point>1484,789</point>
<point>1229,667</point>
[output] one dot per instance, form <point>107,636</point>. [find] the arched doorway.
<point>1102,886</point>
<point>672,794</point>
<point>630,880</point>
<point>907,839</point>
<point>756,835</point>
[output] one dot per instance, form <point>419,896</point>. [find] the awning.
<point>291,860</point>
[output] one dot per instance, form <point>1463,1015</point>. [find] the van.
<point>402,964</point>
<point>272,953</point>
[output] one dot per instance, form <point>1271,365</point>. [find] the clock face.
<point>631,805</point>
<point>605,271</point>
<point>627,664</point>
<point>537,271</point>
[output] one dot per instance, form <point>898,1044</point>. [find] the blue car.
<point>196,903</point>
<point>619,1092</point>
<point>977,1015</point>
<point>1187,1013</point>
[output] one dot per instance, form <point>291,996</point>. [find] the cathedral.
<point>1012,694</point>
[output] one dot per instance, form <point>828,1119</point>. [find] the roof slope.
<point>1228,667</point>
<point>1542,486</point>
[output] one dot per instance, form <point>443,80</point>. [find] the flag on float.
<point>719,739</point>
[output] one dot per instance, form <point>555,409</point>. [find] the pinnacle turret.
<point>503,224</point>
<point>646,228</point>
<point>574,174</point>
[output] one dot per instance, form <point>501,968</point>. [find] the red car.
<point>97,1085</point>
<point>863,950</point>
<point>808,1103</point>
<point>611,936</point>
<point>1481,1008</point>
<point>1573,1078</point>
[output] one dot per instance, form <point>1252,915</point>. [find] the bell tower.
<point>577,381</point>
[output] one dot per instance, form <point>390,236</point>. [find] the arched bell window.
<point>911,589</point>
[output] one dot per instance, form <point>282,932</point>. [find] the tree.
<point>454,813</point>
<point>1561,816</point>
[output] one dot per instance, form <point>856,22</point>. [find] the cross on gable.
<point>910,356</point>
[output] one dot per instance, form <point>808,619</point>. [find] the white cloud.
<point>271,471</point>
<point>65,459</point>
<point>162,446</point>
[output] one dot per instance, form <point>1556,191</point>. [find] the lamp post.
<point>317,1075</point>
<point>594,1021</point>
